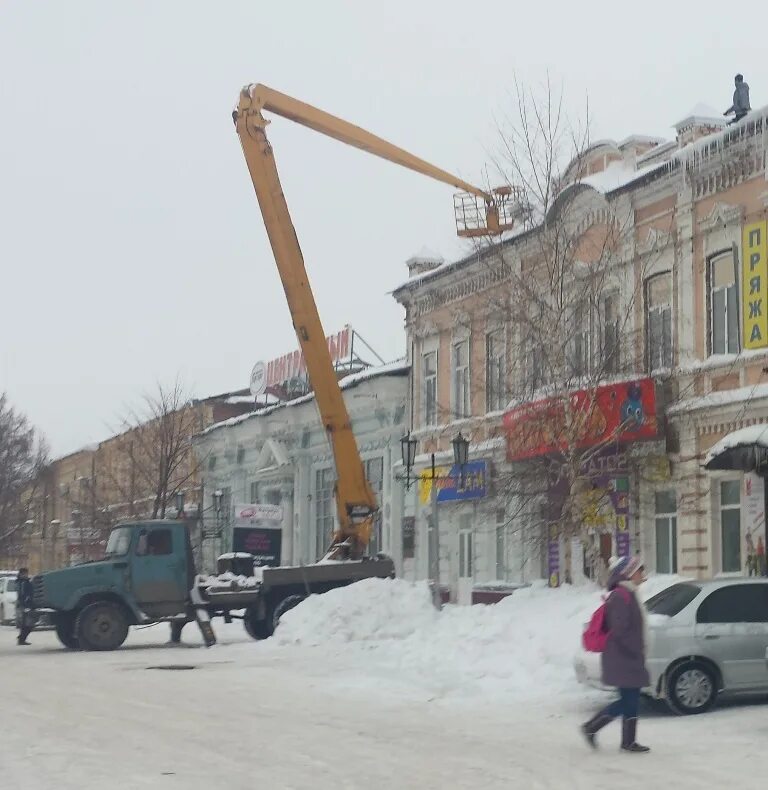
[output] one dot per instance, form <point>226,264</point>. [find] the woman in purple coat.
<point>623,659</point>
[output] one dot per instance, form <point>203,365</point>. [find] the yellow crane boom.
<point>355,500</point>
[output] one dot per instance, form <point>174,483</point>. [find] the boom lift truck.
<point>148,573</point>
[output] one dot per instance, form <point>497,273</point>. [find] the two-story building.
<point>666,346</point>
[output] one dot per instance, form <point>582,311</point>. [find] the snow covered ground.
<point>366,687</point>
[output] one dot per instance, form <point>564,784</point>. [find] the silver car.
<point>706,638</point>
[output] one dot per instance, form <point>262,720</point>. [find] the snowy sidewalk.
<point>350,713</point>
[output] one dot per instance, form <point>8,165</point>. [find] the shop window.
<point>658,297</point>
<point>495,371</point>
<point>254,493</point>
<point>409,537</point>
<point>429,376</point>
<point>666,532</point>
<point>461,379</point>
<point>730,525</point>
<point>724,313</point>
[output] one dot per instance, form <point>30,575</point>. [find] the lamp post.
<point>460,457</point>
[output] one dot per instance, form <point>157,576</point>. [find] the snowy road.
<point>251,716</point>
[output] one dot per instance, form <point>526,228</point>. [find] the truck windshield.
<point>119,542</point>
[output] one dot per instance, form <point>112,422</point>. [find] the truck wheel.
<point>65,631</point>
<point>254,626</point>
<point>284,606</point>
<point>101,626</point>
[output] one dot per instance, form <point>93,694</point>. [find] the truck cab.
<point>146,575</point>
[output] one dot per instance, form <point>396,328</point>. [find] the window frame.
<point>730,507</point>
<point>323,509</point>
<point>460,379</point>
<point>661,310</point>
<point>610,348</point>
<point>429,387</point>
<point>495,370</point>
<point>712,289</point>
<point>670,519</point>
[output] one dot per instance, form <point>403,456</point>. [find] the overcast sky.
<point>131,244</point>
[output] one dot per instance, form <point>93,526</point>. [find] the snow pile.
<point>523,646</point>
<point>230,582</point>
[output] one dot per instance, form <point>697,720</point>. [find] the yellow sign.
<point>754,290</point>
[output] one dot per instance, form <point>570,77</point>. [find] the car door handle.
<point>120,565</point>
<point>712,636</point>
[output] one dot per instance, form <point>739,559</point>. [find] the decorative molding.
<point>654,241</point>
<point>425,329</point>
<point>722,214</point>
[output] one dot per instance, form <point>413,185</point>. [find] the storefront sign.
<point>246,515</point>
<point>754,288</point>
<point>264,543</point>
<point>451,485</point>
<point>624,412</point>
<point>287,375</point>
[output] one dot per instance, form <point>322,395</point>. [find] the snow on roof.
<point>701,112</point>
<point>723,398</point>
<point>745,437</point>
<point>398,367</point>
<point>425,254</point>
<point>237,399</point>
<point>617,175</point>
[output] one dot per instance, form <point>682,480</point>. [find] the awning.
<point>744,450</point>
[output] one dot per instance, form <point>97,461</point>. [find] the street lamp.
<point>408,450</point>
<point>179,504</point>
<point>460,457</point>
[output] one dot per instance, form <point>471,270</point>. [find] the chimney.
<point>699,122</point>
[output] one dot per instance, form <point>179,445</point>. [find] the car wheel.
<point>101,626</point>
<point>254,626</point>
<point>65,631</point>
<point>691,688</point>
<point>285,606</point>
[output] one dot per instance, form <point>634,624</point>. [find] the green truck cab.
<point>147,575</point>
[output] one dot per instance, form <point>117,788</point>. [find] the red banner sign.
<point>624,412</point>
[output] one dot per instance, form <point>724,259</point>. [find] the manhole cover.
<point>175,667</point>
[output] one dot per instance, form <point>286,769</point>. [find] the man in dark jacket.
<point>623,659</point>
<point>25,603</point>
<point>740,106</point>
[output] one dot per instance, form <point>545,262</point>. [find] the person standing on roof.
<point>740,106</point>
<point>623,659</point>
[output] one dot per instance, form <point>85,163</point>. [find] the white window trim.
<point>709,291</point>
<point>717,555</point>
<point>647,312</point>
<point>428,346</point>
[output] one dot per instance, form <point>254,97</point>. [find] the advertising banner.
<point>624,412</point>
<point>450,485</point>
<point>257,530</point>
<point>754,287</point>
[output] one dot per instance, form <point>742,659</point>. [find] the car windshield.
<point>119,542</point>
<point>10,585</point>
<point>673,600</point>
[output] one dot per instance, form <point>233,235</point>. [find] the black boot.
<point>593,726</point>
<point>628,733</point>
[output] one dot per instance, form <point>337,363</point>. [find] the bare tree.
<point>155,457</point>
<point>23,456</point>
<point>569,309</point>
